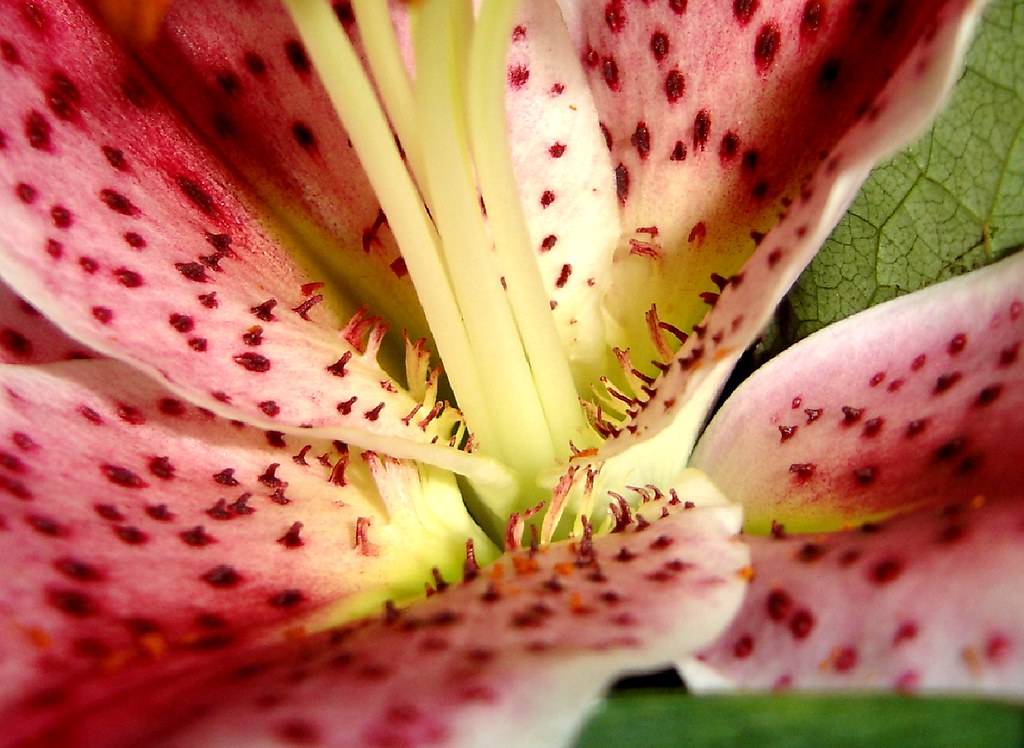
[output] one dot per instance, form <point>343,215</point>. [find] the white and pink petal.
<point>517,653</point>
<point>914,402</point>
<point>563,172</point>
<point>145,529</point>
<point>929,601</point>
<point>140,243</point>
<point>717,119</point>
<point>244,80</point>
<point>27,337</point>
<point>673,411</point>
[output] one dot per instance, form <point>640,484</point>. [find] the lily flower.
<point>218,467</point>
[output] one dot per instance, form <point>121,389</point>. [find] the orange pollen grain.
<point>524,564</point>
<point>746,573</point>
<point>153,644</point>
<point>117,660</point>
<point>39,638</point>
<point>136,20</point>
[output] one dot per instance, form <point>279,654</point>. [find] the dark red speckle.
<point>729,147</point>
<point>255,64</point>
<point>517,76</point>
<point>622,182</point>
<point>222,576</point>
<point>171,407</point>
<point>802,470</point>
<point>297,57</point>
<point>810,21</point>
<point>26,193</point>
<point>743,647</point>
<point>675,85</point>
<point>701,130</point>
<point>659,45</point>
<point>128,278</point>
<point>988,395</point>
<point>610,73</point>
<point>197,195</point>
<point>778,604</point>
<point>37,131</point>
<point>15,343</point>
<point>161,467</point>
<point>801,624</point>
<point>118,202</point>
<point>767,46</point>
<point>744,10</point>
<point>304,136</point>
<point>946,382</point>
<point>122,476</point>
<point>253,362</point>
<point>641,140</point>
<point>885,571</point>
<point>63,96</point>
<point>845,659</point>
<point>72,603</point>
<point>299,732</point>
<point>615,16</point>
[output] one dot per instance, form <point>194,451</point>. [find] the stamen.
<point>440,33</point>
<point>391,76</point>
<point>356,105</point>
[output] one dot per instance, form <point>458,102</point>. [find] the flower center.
<point>453,206</point>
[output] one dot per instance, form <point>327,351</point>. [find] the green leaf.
<point>950,203</point>
<point>671,718</point>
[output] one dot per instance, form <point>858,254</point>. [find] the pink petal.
<point>136,241</point>
<point>913,402</point>
<point>243,79</point>
<point>718,118</point>
<point>27,337</point>
<point>137,528</point>
<point>922,72</point>
<point>562,167</point>
<point>515,656</point>
<point>929,601</point>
